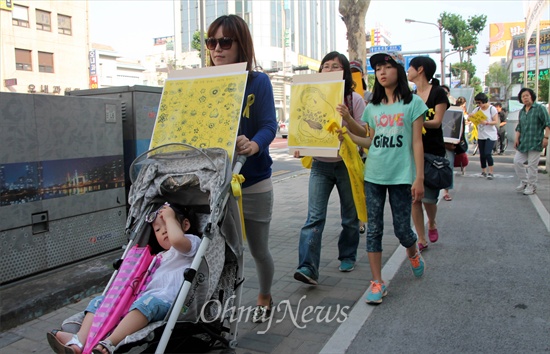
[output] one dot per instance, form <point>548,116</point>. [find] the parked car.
<point>283,128</point>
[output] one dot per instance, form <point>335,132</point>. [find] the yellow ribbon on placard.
<point>355,166</point>
<point>236,182</point>
<point>249,102</point>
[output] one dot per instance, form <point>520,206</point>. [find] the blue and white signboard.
<point>407,58</point>
<point>385,48</point>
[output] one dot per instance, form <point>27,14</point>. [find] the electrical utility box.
<point>139,111</point>
<point>62,193</point>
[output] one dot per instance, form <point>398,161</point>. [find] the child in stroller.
<point>175,233</point>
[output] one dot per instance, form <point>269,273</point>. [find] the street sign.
<point>407,58</point>
<point>385,48</point>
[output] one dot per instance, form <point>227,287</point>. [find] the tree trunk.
<point>353,13</point>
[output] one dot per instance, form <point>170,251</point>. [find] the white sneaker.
<point>529,190</point>
<point>521,186</point>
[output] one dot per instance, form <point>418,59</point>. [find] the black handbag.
<point>438,173</point>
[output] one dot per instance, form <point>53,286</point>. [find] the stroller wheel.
<point>232,345</point>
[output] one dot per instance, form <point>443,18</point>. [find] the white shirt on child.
<point>167,279</point>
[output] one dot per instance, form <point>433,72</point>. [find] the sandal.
<point>262,313</point>
<point>61,348</point>
<point>105,344</point>
<point>422,247</point>
<point>447,197</point>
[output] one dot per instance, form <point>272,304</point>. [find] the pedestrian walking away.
<point>502,116</point>
<point>229,41</point>
<point>421,71</point>
<point>456,153</point>
<point>532,133</point>
<point>395,164</point>
<point>325,174</point>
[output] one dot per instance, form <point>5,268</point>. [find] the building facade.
<point>284,32</point>
<point>44,46</point>
<point>287,35</point>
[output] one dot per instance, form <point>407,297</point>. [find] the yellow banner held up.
<point>355,166</point>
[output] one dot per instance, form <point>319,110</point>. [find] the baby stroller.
<point>197,180</point>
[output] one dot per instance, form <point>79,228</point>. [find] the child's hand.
<point>166,212</point>
<point>417,190</point>
<point>343,110</point>
<point>341,134</point>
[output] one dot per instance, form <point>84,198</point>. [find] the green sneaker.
<point>376,292</point>
<point>417,264</point>
<point>346,266</point>
<point>305,276</point>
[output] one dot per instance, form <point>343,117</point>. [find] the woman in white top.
<point>487,134</point>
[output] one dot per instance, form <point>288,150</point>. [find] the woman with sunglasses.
<point>229,41</point>
<point>325,174</point>
<point>175,233</point>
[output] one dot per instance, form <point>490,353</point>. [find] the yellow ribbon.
<point>249,102</point>
<point>307,161</point>
<point>355,166</point>
<point>476,119</point>
<point>236,182</point>
<point>472,135</point>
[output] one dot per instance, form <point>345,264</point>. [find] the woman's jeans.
<point>324,176</point>
<point>486,152</point>
<point>401,206</point>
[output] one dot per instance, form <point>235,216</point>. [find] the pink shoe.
<point>433,235</point>
<point>422,247</point>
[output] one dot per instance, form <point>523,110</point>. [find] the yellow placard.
<point>312,106</point>
<point>201,111</point>
<point>358,79</point>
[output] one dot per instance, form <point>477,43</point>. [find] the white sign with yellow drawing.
<point>201,107</point>
<point>313,101</point>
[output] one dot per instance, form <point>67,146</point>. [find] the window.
<point>23,59</point>
<point>64,24</point>
<point>20,16</point>
<point>45,62</point>
<point>43,21</point>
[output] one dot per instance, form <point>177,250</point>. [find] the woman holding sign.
<point>327,172</point>
<point>229,42</point>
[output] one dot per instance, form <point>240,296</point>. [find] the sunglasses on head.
<point>152,216</point>
<point>225,43</point>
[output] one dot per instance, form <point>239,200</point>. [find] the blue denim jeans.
<point>324,176</point>
<point>401,205</point>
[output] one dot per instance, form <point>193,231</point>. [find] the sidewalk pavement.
<point>477,206</point>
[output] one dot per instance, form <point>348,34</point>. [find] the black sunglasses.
<point>225,43</point>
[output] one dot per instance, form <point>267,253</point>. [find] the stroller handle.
<point>241,159</point>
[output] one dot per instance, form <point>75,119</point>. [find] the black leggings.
<point>486,152</point>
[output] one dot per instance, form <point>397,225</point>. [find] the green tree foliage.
<point>196,42</point>
<point>456,69</point>
<point>497,76</point>
<point>544,89</point>
<point>475,82</point>
<point>463,33</point>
